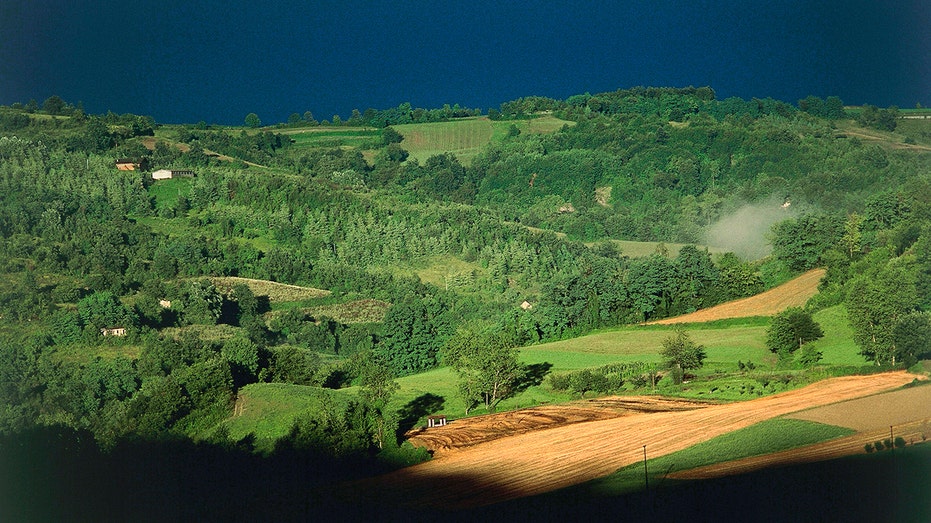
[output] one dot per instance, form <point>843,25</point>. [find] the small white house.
<point>113,331</point>
<point>167,174</point>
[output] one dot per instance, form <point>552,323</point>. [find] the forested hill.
<point>522,236</point>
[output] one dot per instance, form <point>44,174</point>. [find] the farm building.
<point>125,164</point>
<point>167,174</point>
<point>113,331</point>
<point>436,421</point>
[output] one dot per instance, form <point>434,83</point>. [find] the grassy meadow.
<point>726,343</point>
<point>468,136</point>
<point>763,438</point>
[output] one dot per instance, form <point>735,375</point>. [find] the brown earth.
<point>469,432</point>
<point>875,412</point>
<point>489,471</point>
<point>794,293</point>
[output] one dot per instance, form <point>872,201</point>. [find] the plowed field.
<point>793,293</point>
<point>484,471</point>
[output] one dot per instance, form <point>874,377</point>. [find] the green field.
<point>354,137</point>
<point>268,410</point>
<point>468,136</point>
<point>763,438</point>
<point>726,342</point>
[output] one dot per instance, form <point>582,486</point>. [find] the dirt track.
<point>793,293</point>
<point>543,460</point>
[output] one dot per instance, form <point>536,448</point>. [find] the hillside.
<point>310,292</point>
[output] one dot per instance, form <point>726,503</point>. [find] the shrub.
<point>868,448</point>
<point>899,442</point>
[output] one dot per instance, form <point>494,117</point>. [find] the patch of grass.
<point>220,332</point>
<point>359,311</point>
<point>837,345</point>
<point>465,137</point>
<point>333,137</point>
<point>722,344</point>
<point>166,192</point>
<point>763,438</point>
<point>443,382</point>
<point>567,361</point>
<point>84,354</point>
<point>276,292</point>
<point>268,410</point>
<point>442,271</point>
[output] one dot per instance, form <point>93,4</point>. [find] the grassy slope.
<point>725,342</point>
<point>763,438</point>
<point>269,409</point>
<point>466,137</point>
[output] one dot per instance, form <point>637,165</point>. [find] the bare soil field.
<point>469,432</point>
<point>494,470</point>
<point>793,293</point>
<point>875,412</point>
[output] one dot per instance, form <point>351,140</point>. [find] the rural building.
<point>167,174</point>
<point>165,304</point>
<point>438,420</point>
<point>113,331</point>
<point>526,305</point>
<point>125,164</point>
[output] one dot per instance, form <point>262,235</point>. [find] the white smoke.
<point>744,231</point>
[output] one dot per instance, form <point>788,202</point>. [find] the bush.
<point>868,448</point>
<point>899,442</point>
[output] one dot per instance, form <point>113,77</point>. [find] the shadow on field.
<point>54,474</point>
<point>421,406</point>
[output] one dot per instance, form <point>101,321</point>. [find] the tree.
<point>54,105</point>
<point>912,337</point>
<point>377,387</point>
<point>243,357</point>
<point>253,121</point>
<point>791,329</point>
<point>103,309</point>
<point>389,136</point>
<point>412,334</point>
<point>876,302</point>
<point>487,366</point>
<point>680,353</point>
<point>202,303</point>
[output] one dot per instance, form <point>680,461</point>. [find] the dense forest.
<point>535,218</point>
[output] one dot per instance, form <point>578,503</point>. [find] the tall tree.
<point>876,303</point>
<point>487,366</point>
<point>252,120</point>
<point>680,354</point>
<point>791,329</point>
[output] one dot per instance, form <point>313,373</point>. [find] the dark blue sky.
<point>185,61</point>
